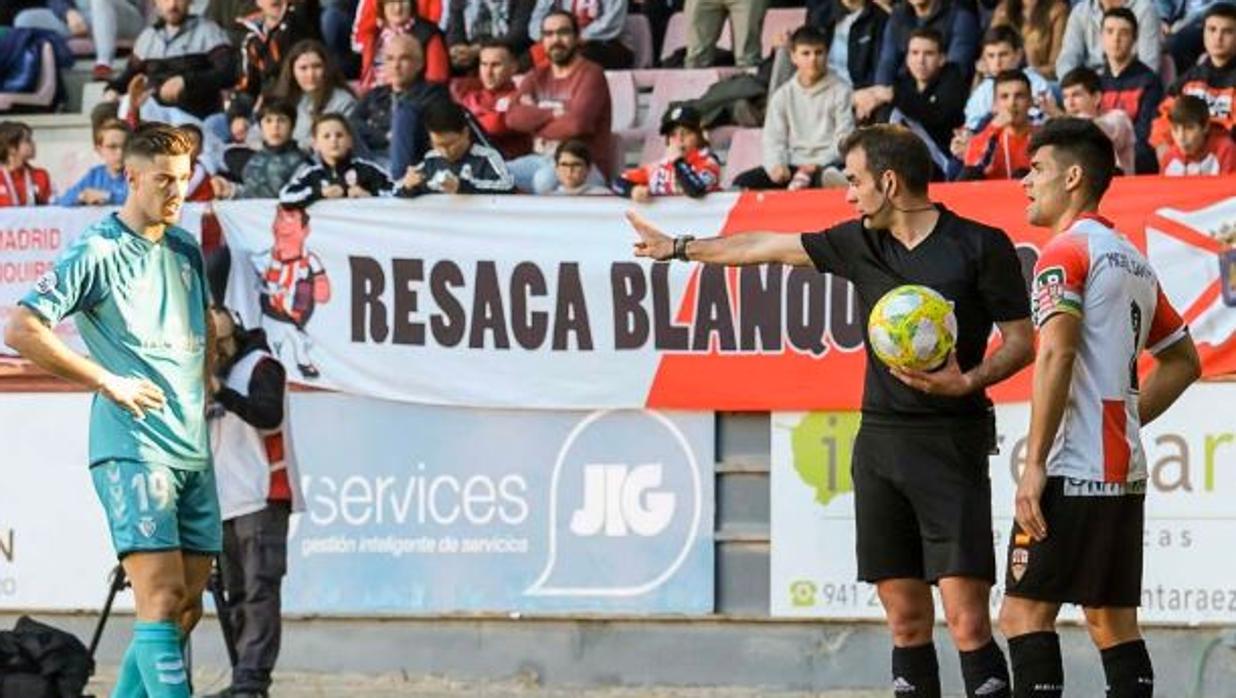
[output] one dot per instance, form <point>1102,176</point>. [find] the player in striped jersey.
<point>1080,501</point>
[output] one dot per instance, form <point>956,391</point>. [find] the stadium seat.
<point>637,35</point>
<point>746,152</point>
<point>44,91</point>
<point>676,36</point>
<point>779,20</point>
<point>676,86</point>
<point>622,99</point>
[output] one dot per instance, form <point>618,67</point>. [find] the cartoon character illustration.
<point>292,285</point>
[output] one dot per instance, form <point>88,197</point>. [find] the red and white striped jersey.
<point>1095,273</point>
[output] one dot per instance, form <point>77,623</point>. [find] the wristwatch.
<point>680,247</point>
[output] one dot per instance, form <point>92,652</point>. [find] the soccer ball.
<point>912,327</point>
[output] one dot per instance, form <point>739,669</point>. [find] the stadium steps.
<point>741,532</point>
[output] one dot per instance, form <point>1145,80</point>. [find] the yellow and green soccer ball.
<point>912,327</point>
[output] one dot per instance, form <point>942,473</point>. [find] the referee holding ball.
<point>922,494</point>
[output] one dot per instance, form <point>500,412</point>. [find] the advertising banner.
<point>1190,531</point>
<point>537,302</point>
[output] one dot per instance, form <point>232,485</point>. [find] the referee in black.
<point>920,467</point>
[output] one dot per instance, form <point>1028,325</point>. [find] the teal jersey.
<point>140,307</point>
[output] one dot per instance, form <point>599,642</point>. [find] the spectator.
<point>456,165</point>
<point>598,25</point>
<point>953,19</point>
<point>490,95</point>
<point>688,166</point>
<point>1001,52</point>
<point>806,120</point>
<point>1002,149</point>
<point>63,17</point>
<point>1214,79</point>
<point>178,45</point>
<point>1130,85</point>
<point>854,31</point>
<point>1199,146</point>
<point>1083,36</point>
<point>336,24</point>
<point>928,97</point>
<point>569,98</point>
<point>312,81</point>
<point>258,488</point>
<point>371,32</point>
<point>270,33</point>
<point>104,184</point>
<point>705,20</point>
<point>572,163</point>
<point>404,89</point>
<point>268,170</point>
<point>474,23</point>
<point>1186,22</point>
<point>1082,92</point>
<point>335,173</point>
<point>199,180</point>
<point>1041,25</point>
<point>21,184</point>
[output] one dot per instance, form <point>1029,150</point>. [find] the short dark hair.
<point>1002,34</point>
<point>155,138</point>
<point>1080,142</point>
<point>332,116</point>
<point>1014,75</point>
<point>279,107</point>
<point>930,34</point>
<point>562,13</point>
<point>444,116</point>
<point>1224,10</point>
<point>102,112</point>
<point>1122,13</point>
<point>494,42</point>
<point>895,148</point>
<point>1189,110</point>
<point>1084,76</point>
<point>110,125</point>
<point>573,147</point>
<point>807,35</point>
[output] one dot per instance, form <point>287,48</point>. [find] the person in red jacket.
<point>378,20</point>
<point>200,187</point>
<point>688,167</point>
<point>21,184</point>
<point>1199,146</point>
<point>1001,150</point>
<point>568,98</point>
<point>490,95</point>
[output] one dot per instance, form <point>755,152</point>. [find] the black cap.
<point>680,115</point>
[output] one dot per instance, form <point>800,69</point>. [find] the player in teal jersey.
<point>135,285</point>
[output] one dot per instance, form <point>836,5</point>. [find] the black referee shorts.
<point>1092,555</point>
<point>922,500</point>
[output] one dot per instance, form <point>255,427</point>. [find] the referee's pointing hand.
<point>652,242</point>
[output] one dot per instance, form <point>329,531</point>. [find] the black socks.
<point>916,673</point>
<point>985,672</point>
<point>1038,670</point>
<point>1128,670</point>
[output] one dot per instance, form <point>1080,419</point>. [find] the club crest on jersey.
<point>47,282</point>
<point>147,526</point>
<point>1019,562</point>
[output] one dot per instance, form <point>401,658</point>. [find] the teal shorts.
<point>151,507</point>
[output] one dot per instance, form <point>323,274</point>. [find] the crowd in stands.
<point>301,100</point>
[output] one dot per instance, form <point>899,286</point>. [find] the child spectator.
<point>455,164</point>
<point>1082,91</point>
<point>806,120</point>
<point>311,80</point>
<point>335,173</point>
<point>199,181</point>
<point>689,166</point>
<point>372,30</point>
<point>1001,150</point>
<point>104,184</point>
<point>21,184</point>
<point>269,169</point>
<point>572,163</point>
<point>1213,79</point>
<point>1199,147</point>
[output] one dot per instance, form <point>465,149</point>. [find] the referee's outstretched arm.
<point>732,250</point>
